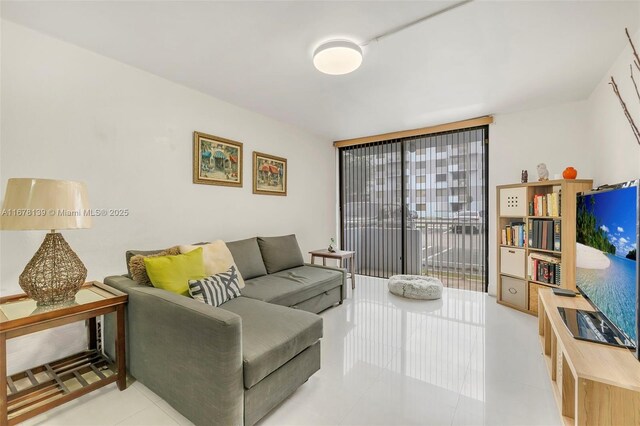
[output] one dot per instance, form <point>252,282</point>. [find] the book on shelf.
<point>544,268</point>
<point>552,204</point>
<point>557,235</point>
<point>514,234</point>
<point>544,234</point>
<point>545,205</point>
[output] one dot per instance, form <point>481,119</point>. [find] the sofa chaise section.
<point>271,335</point>
<point>187,352</point>
<point>281,350</point>
<point>217,366</point>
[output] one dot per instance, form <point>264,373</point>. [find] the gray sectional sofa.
<point>232,364</point>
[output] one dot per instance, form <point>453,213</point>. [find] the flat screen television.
<point>607,273</point>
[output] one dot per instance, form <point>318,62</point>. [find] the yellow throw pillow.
<point>172,273</point>
<point>216,257</point>
<point>139,271</point>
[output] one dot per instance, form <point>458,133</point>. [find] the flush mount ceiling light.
<point>337,57</point>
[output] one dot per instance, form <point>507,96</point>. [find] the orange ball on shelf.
<point>570,173</point>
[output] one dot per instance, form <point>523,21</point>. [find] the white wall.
<point>614,149</point>
<point>592,135</point>
<point>557,136</point>
<point>68,113</point>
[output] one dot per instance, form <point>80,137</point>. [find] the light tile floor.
<point>462,360</point>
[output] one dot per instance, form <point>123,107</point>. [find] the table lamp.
<point>55,273</point>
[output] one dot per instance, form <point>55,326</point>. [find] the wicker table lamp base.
<point>54,274</point>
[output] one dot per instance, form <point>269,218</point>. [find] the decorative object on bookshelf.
<point>616,91</point>
<point>524,176</point>
<point>570,173</point>
<point>55,273</point>
<point>543,172</point>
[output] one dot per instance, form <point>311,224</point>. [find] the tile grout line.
<point>137,412</point>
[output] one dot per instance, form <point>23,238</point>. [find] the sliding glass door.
<point>418,206</point>
<point>371,193</point>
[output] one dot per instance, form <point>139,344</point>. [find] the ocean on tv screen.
<point>606,261</point>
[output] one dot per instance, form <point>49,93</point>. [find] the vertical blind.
<point>418,206</point>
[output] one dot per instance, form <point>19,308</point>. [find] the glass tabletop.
<point>23,308</point>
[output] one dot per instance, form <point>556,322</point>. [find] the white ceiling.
<point>484,57</point>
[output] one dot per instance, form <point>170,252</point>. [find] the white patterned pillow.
<point>216,289</point>
<point>216,257</point>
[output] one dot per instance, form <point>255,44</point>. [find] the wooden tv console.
<point>593,384</point>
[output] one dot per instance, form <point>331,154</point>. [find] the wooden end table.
<point>34,391</point>
<point>341,255</point>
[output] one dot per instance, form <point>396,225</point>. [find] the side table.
<point>341,255</point>
<point>29,393</point>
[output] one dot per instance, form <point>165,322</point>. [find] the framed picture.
<point>216,161</point>
<point>269,174</point>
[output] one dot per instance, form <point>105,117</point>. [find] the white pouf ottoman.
<point>415,287</point>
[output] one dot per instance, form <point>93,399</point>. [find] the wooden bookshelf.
<point>515,288</point>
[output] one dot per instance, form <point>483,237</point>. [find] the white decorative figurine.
<point>543,173</point>
<point>332,246</point>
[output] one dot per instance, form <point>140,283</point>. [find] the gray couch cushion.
<point>280,253</point>
<point>292,285</point>
<point>246,254</point>
<point>271,335</point>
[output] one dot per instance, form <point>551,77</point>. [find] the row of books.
<point>545,234</point>
<point>545,205</point>
<point>514,234</point>
<point>546,269</point>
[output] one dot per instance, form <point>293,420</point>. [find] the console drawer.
<point>514,291</point>
<point>513,202</point>
<point>512,261</point>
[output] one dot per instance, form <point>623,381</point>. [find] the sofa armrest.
<point>344,277</point>
<point>187,352</point>
<point>124,284</point>
<point>121,282</point>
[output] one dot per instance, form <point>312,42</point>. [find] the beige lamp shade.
<point>44,204</point>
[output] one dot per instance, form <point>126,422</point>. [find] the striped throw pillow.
<point>216,289</point>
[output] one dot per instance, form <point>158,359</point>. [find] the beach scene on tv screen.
<point>606,255</point>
